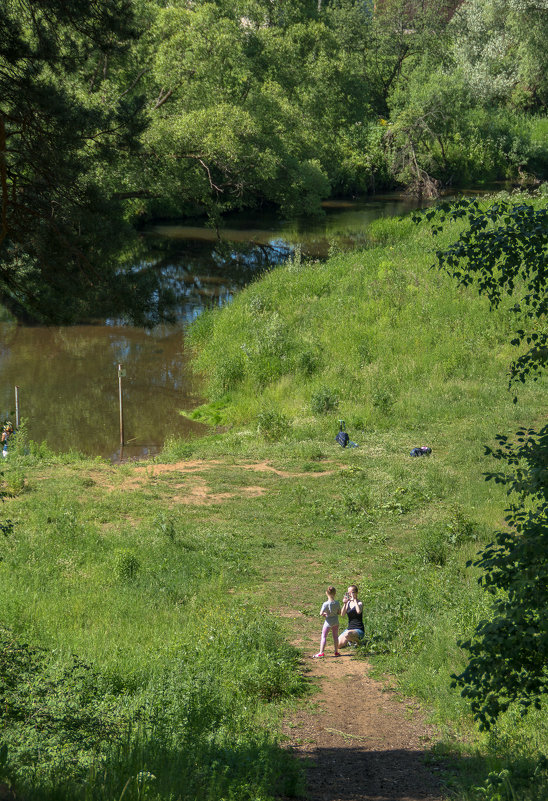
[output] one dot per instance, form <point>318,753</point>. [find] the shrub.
<point>308,362</point>
<point>383,400</point>
<point>15,482</point>
<point>228,373</point>
<point>434,549</point>
<point>271,424</point>
<point>324,400</point>
<point>57,718</point>
<point>461,528</point>
<point>165,526</point>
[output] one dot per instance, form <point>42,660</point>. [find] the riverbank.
<point>67,375</point>
<point>182,582</point>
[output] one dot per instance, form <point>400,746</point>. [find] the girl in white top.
<point>330,610</point>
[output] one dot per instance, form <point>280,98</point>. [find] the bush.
<point>272,425</point>
<point>57,718</point>
<point>383,400</point>
<point>308,362</point>
<point>324,400</point>
<point>461,528</point>
<point>434,549</point>
<point>15,482</point>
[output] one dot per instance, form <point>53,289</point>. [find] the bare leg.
<point>343,642</point>
<point>335,630</point>
<point>348,637</point>
<point>325,629</point>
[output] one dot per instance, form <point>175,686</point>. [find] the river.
<point>68,378</point>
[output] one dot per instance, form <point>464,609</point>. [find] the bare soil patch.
<point>197,491</point>
<point>266,467</point>
<point>199,494</point>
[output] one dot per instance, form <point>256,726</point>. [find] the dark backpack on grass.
<point>342,437</point>
<point>424,450</point>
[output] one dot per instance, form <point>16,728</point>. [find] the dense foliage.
<point>509,650</point>
<point>115,112</point>
<point>503,251</point>
<point>62,123</point>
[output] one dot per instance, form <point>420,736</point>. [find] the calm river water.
<point>67,376</point>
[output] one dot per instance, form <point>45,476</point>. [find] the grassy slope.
<point>109,564</point>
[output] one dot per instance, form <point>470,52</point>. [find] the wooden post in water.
<point>121,373</point>
<point>16,407</point>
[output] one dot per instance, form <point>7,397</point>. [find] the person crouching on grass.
<point>354,609</point>
<point>330,610</point>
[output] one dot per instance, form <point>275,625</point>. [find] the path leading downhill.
<point>363,743</point>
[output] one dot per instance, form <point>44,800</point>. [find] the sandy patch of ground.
<point>199,494</point>
<point>196,491</point>
<point>190,466</point>
<point>265,467</point>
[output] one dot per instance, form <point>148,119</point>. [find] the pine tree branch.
<point>3,180</point>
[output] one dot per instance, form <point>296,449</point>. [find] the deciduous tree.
<point>504,251</point>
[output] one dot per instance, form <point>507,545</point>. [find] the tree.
<point>247,103</point>
<point>503,251</point>
<point>63,121</point>
<point>403,35</point>
<point>509,653</point>
<point>501,47</point>
<point>429,116</point>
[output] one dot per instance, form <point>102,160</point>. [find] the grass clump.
<point>272,424</point>
<point>324,400</point>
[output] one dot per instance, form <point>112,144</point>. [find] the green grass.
<point>166,601</point>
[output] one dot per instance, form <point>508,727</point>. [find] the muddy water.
<point>68,386</point>
<point>67,377</point>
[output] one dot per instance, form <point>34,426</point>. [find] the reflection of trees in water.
<point>204,274</point>
<point>201,268</point>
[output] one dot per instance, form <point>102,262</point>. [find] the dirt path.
<point>363,743</point>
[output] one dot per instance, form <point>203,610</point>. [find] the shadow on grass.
<point>493,777</point>
<point>154,772</point>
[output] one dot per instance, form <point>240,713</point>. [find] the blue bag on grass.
<point>342,437</point>
<point>424,450</point>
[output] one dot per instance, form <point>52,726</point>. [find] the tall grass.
<point>162,697</point>
<point>385,340</point>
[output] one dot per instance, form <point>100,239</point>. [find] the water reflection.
<point>203,271</point>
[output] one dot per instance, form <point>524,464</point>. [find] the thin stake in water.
<point>121,374</point>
